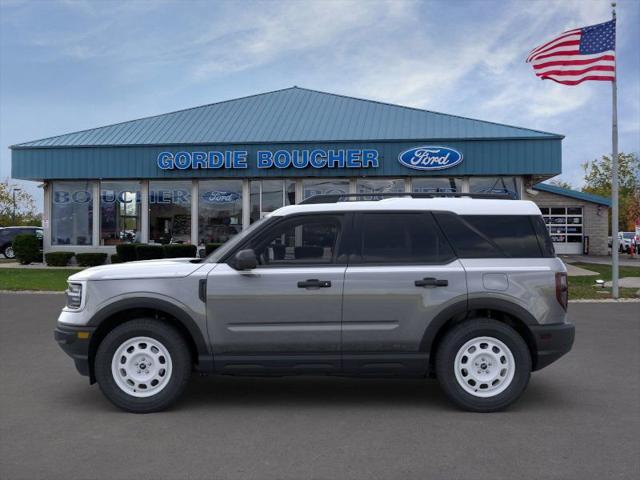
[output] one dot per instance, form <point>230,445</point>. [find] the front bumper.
<point>75,343</point>
<point>552,342</point>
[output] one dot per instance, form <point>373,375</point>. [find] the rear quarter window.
<point>487,236</point>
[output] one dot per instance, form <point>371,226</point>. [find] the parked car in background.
<point>7,234</point>
<point>625,241</point>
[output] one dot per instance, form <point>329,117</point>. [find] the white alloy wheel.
<point>484,367</point>
<point>9,253</point>
<point>141,366</point>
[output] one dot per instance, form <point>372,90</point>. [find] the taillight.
<point>562,289</point>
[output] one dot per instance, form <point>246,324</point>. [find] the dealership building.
<point>203,174</point>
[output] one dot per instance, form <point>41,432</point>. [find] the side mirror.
<point>245,260</point>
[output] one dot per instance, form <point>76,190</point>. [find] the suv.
<point>465,290</point>
<point>7,234</point>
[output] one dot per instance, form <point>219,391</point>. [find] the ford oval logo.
<point>220,197</point>
<point>430,158</point>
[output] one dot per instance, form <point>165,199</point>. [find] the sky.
<point>72,65</point>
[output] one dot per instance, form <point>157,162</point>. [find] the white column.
<point>46,216</point>
<point>352,185</point>
<point>194,212</point>
<point>246,203</point>
<point>95,240</point>
<point>299,190</point>
<point>465,185</point>
<point>144,211</point>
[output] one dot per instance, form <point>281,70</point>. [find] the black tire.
<point>456,338</point>
<point>177,348</point>
<point>8,252</point>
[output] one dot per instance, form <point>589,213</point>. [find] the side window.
<point>305,240</point>
<point>491,236</point>
<point>513,234</point>
<point>544,240</point>
<point>402,238</point>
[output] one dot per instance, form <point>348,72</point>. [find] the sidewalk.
<point>38,266</point>
<point>624,259</point>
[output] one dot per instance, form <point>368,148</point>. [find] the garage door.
<point>565,228</point>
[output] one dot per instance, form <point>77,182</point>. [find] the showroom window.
<point>119,212</point>
<point>328,186</point>
<point>380,185</point>
<point>436,184</point>
<point>219,210</point>
<point>71,213</point>
<point>499,185</point>
<point>170,212</point>
<point>269,195</point>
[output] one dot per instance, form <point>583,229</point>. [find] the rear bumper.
<point>74,341</point>
<point>552,342</point>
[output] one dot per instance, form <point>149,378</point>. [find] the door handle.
<point>314,283</point>
<point>431,282</point>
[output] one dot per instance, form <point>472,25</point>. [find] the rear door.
<point>401,275</point>
<point>286,313</point>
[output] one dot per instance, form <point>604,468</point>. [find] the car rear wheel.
<point>8,252</point>
<point>483,365</point>
<point>143,365</point>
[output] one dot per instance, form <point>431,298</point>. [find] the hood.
<point>165,268</point>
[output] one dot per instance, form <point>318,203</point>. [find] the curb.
<point>606,300</point>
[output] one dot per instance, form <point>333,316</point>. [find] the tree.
<point>558,182</point>
<point>25,207</point>
<point>597,180</point>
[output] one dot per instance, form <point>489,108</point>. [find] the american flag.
<point>587,53</point>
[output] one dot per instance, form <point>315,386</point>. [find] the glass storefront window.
<point>71,213</point>
<point>269,195</point>
<point>325,186</point>
<point>170,212</point>
<point>380,185</point>
<point>504,185</point>
<point>119,212</point>
<point>219,210</point>
<point>436,184</point>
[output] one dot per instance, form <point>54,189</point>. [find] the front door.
<point>402,275</point>
<point>286,313</point>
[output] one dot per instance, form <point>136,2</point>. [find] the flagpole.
<point>614,177</point>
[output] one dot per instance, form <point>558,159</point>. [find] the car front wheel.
<point>143,365</point>
<point>483,365</point>
<point>8,252</point>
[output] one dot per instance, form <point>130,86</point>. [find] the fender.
<point>205,359</point>
<point>464,307</point>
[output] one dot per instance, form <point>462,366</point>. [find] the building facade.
<point>203,174</point>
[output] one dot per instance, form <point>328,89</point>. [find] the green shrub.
<point>178,250</point>
<point>115,258</point>
<point>58,259</point>
<point>149,252</point>
<point>211,247</point>
<point>127,252</point>
<point>90,259</point>
<point>27,248</point>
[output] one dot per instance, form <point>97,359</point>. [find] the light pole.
<point>14,203</point>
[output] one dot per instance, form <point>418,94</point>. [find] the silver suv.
<point>465,290</point>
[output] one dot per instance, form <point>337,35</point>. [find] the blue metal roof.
<point>565,192</point>
<point>289,116</point>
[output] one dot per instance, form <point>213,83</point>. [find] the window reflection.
<point>119,212</point>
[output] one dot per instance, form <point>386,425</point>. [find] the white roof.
<point>462,206</point>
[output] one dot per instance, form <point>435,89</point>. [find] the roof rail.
<point>360,197</point>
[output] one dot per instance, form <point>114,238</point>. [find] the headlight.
<point>74,295</point>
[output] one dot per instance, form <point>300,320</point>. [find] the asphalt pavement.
<point>579,418</point>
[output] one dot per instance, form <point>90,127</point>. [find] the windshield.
<point>221,251</point>
<point>628,234</point>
